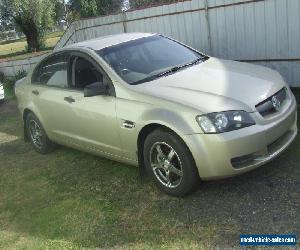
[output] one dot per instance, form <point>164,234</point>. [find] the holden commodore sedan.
<point>153,102</point>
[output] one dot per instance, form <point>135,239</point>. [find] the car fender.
<point>30,107</point>
<point>167,118</point>
<point>178,118</point>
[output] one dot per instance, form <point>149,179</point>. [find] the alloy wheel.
<point>36,133</point>
<point>166,164</point>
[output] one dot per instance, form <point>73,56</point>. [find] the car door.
<point>49,87</point>
<point>93,122</point>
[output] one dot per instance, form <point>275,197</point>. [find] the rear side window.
<point>53,71</point>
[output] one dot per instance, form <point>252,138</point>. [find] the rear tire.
<point>37,135</point>
<point>170,163</point>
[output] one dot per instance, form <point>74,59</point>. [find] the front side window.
<point>52,72</point>
<point>85,73</point>
<point>143,59</point>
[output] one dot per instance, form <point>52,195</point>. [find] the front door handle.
<point>128,124</point>
<point>35,92</point>
<point>69,99</point>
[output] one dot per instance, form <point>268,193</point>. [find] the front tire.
<point>170,163</point>
<point>37,135</point>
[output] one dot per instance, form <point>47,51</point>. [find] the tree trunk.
<point>29,28</point>
<point>32,38</point>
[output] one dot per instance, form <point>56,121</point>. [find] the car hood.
<point>217,85</point>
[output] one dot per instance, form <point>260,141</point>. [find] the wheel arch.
<point>25,113</point>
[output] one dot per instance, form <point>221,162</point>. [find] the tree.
<point>135,4</point>
<point>90,8</point>
<point>59,10</point>
<point>32,17</point>
<point>5,22</point>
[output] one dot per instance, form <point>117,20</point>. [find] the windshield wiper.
<point>153,77</point>
<point>178,67</point>
<point>171,70</point>
<point>199,59</point>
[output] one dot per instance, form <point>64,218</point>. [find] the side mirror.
<point>94,89</point>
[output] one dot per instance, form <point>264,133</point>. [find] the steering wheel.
<point>125,71</point>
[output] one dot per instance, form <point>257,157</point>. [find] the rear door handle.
<point>35,92</point>
<point>69,99</point>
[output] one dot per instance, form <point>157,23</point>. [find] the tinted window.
<point>52,72</point>
<point>85,73</point>
<point>140,59</point>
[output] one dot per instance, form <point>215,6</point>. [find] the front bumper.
<point>228,154</point>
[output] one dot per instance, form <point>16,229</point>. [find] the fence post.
<point>208,26</point>
<point>14,68</point>
<point>124,21</point>
<point>75,32</point>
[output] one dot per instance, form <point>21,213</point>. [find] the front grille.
<point>266,107</point>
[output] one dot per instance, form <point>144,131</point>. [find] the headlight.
<point>221,122</point>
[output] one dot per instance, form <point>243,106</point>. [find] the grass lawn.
<point>13,50</point>
<point>70,200</point>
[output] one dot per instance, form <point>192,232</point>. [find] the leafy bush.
<point>9,83</point>
<point>20,74</point>
<point>1,77</point>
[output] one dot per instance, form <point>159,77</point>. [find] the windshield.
<point>148,58</point>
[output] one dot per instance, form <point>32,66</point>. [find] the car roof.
<point>107,41</point>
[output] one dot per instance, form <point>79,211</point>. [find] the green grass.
<point>69,199</point>
<point>13,50</point>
